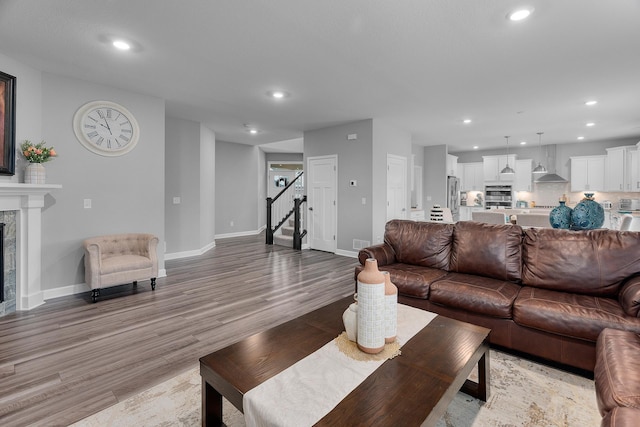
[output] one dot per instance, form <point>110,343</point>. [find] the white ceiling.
<point>422,65</point>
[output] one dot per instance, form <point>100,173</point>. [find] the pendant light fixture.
<point>507,170</point>
<point>540,169</point>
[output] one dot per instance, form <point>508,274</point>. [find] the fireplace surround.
<point>27,200</point>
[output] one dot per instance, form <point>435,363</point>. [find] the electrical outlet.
<point>87,203</point>
<point>231,223</point>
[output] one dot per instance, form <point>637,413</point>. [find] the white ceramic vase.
<point>350,319</point>
<point>35,173</point>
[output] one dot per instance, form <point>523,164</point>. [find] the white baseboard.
<point>241,233</point>
<point>187,254</point>
<point>349,254</point>
<point>64,291</point>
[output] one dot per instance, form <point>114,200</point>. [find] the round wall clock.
<point>106,128</point>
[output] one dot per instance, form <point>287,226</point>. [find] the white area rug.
<point>523,393</point>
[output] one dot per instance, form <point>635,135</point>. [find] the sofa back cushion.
<point>427,244</point>
<point>489,250</point>
<point>593,262</point>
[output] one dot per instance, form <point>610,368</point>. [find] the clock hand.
<point>107,123</point>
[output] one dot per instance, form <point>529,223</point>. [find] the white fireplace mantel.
<point>28,201</point>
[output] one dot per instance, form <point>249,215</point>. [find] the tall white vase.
<point>371,308</point>
<point>390,309</point>
<point>35,173</point>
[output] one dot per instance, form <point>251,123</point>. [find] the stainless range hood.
<point>550,151</point>
<point>551,177</point>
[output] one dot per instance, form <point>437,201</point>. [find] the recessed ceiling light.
<point>466,121</point>
<point>121,45</point>
<point>592,102</point>
<point>253,131</point>
<point>278,94</point>
<point>581,137</point>
<point>475,147</point>
<point>523,142</point>
<point>590,124</point>
<point>519,15</point>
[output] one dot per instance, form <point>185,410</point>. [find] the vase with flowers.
<point>36,154</point>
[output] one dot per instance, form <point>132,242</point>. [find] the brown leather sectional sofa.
<point>542,291</point>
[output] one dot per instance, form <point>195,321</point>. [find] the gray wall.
<point>285,157</point>
<point>239,178</point>
<point>207,186</point>
<point>435,177</point>
<point>189,176</point>
<point>355,159</point>
<point>127,192</point>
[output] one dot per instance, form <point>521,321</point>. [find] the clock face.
<point>106,128</point>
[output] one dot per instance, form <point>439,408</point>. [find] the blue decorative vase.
<point>560,216</point>
<point>587,215</point>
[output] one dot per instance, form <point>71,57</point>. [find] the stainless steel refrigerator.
<point>453,196</point>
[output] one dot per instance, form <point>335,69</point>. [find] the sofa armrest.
<point>152,252</point>
<point>383,253</point>
<point>629,296</point>
<point>92,263</point>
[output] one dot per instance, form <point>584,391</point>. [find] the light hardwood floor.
<point>70,358</point>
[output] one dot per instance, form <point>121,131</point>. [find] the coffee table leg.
<point>480,389</point>
<point>483,377</point>
<point>211,406</point>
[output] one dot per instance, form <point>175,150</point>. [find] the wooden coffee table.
<point>412,389</point>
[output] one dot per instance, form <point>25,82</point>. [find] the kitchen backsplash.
<point>549,194</point>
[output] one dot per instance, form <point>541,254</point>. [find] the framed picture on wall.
<point>7,124</point>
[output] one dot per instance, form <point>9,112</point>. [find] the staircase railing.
<point>282,206</point>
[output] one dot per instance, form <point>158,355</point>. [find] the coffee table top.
<point>411,389</point>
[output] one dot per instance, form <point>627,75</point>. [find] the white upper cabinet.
<point>452,165</point>
<point>494,164</point>
<point>472,177</point>
<point>523,178</point>
<point>634,166</point>
<point>618,169</point>
<point>587,173</point>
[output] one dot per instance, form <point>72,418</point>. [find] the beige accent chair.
<point>489,217</point>
<point>118,259</point>
<point>533,220</point>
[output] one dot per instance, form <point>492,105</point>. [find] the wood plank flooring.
<point>71,358</point>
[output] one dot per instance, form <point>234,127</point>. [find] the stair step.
<point>283,240</point>
<point>287,231</point>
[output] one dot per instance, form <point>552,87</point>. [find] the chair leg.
<point>95,293</point>
<point>153,283</point>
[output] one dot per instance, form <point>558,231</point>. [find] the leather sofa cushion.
<point>621,417</point>
<point>411,280</point>
<point>489,250</point>
<point>426,244</point>
<point>617,370</point>
<point>593,262</point>
<point>476,294</point>
<point>571,315</point>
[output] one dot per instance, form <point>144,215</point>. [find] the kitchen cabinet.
<point>634,170</point>
<point>472,176</point>
<point>452,165</point>
<point>618,168</point>
<point>523,177</point>
<point>465,212</point>
<point>492,166</point>
<point>587,173</point>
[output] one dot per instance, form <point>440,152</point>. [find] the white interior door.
<point>322,203</point>
<point>396,187</point>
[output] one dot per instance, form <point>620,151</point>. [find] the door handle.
<point>310,208</point>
